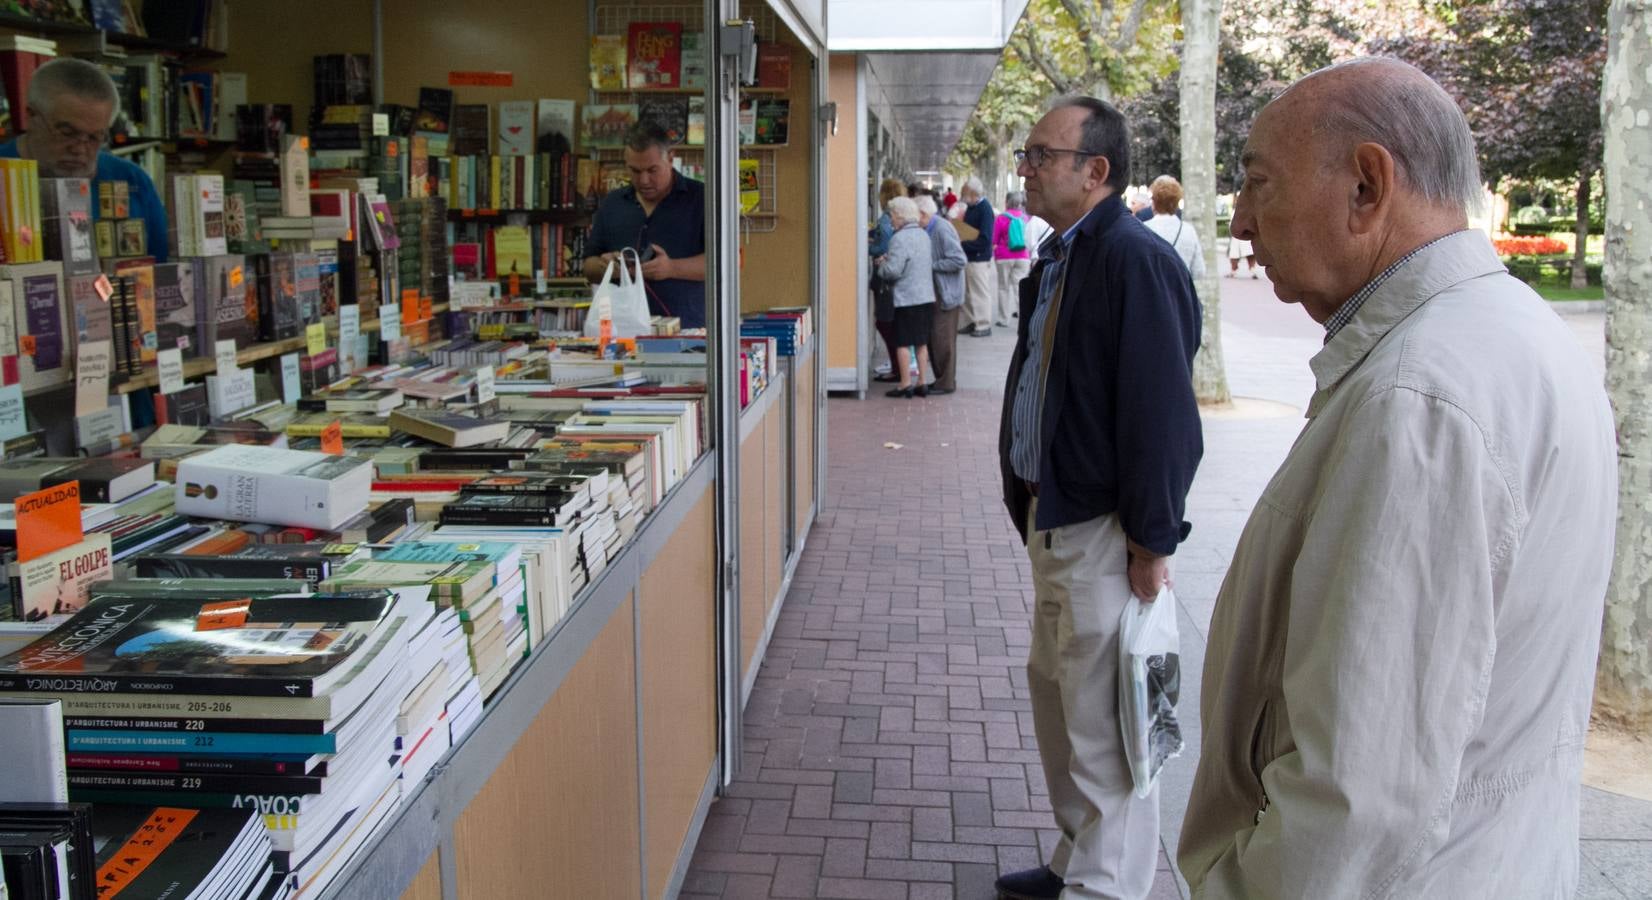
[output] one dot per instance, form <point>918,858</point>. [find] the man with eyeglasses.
<point>662,216</point>
<point>72,105</point>
<point>1098,443</point>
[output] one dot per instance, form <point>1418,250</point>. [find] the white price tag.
<point>93,361</point>
<point>225,353</point>
<point>171,366</point>
<point>484,384</point>
<point>390,323</point>
<point>291,388</point>
<point>381,124</point>
<point>349,330</point>
<point>13,423</point>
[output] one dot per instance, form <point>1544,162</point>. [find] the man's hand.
<point>1148,572</point>
<point>662,266</point>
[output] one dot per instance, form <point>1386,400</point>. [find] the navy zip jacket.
<point>979,216</point>
<point>1119,431</point>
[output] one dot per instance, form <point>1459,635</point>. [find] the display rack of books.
<point>649,64</point>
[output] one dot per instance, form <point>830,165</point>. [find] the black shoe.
<point>939,391</point>
<point>904,393</point>
<point>887,377</point>
<point>981,332</point>
<point>1030,884</point>
<point>967,329</point>
<point>921,390</point>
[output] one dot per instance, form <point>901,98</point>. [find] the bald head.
<point>1393,104</point>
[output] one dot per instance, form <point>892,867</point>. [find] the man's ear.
<point>1100,168</point>
<point>1374,194</point>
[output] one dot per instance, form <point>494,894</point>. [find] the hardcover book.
<point>556,126</point>
<point>274,647</point>
<point>608,62</point>
<point>164,851</point>
<point>448,429</point>
<point>774,65</point>
<point>66,214</point>
<point>772,122</point>
<point>435,112</point>
<point>264,484</point>
<point>302,562</point>
<point>175,307</point>
<point>607,123</point>
<point>516,129</point>
<point>40,315</point>
<point>670,113</point>
<point>654,58</point>
<point>472,129</point>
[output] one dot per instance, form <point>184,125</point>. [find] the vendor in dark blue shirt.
<point>72,103</point>
<point>661,215</point>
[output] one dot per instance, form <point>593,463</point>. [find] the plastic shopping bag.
<point>624,300</point>
<point>1150,680</point>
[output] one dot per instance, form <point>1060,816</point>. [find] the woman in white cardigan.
<point>907,266</point>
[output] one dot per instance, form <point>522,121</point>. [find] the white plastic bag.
<point>1150,680</point>
<point>624,299</point>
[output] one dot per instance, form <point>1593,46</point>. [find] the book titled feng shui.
<point>282,487</point>
<point>655,55</point>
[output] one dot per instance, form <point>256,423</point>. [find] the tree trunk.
<point>1580,271</point>
<point>1201,20</point>
<point>1623,691</point>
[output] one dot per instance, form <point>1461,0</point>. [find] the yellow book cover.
<point>512,250</point>
<point>608,62</point>
<point>494,201</point>
<point>750,194</point>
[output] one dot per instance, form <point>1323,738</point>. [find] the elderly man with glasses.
<point>72,105</point>
<point>1098,443</point>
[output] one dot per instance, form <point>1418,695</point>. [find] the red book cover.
<point>17,69</point>
<point>654,57</point>
<point>774,65</point>
<point>492,258</point>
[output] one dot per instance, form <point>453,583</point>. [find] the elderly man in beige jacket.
<point>1402,656</point>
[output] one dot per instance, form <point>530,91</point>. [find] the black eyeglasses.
<point>1038,156</point>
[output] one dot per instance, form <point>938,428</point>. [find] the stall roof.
<point>865,26</point>
<point>931,96</point>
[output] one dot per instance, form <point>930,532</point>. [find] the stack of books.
<point>790,326</point>
<point>198,697</point>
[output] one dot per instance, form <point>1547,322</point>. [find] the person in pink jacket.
<point>1012,259</point>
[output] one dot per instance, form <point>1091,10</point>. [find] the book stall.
<point>349,551</point>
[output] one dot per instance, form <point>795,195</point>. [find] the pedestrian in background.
<point>1168,224</point>
<point>947,261</point>
<point>980,280</point>
<point>883,295</point>
<point>907,269</point>
<point>1011,255</point>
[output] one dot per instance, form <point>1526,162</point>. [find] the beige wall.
<point>845,244</point>
<point>776,267</point>
<point>273,41</point>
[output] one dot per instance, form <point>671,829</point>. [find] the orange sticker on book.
<point>145,845</point>
<point>223,614</point>
<point>332,439</point>
<point>104,288</point>
<point>236,278</point>
<point>26,344</point>
<point>48,520</point>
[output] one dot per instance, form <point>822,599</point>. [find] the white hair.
<point>974,186</point>
<point>926,204</point>
<point>1414,119</point>
<point>67,75</point>
<point>902,209</point>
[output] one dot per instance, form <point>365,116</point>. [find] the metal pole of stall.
<point>733,41</point>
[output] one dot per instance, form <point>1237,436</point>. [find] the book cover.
<point>295,176</point>
<point>187,783</point>
<point>164,851</point>
<point>105,479</point>
<point>472,129</point>
<point>175,307</point>
<point>264,484</point>
<point>607,62</point>
<point>275,647</point>
<point>142,335</point>
<point>66,214</point>
<point>279,314</point>
<point>654,57</point>
<point>694,60</point>
<point>774,65</point>
<point>670,113</point>
<point>772,121</point>
<point>747,121</point>
<point>93,317</point>
<point>513,251</point>
<point>61,581</point>
<point>301,562</point>
<point>435,111</point>
<point>751,193</point>
<point>696,134</point>
<point>516,128</point>
<point>285,764</point>
<point>555,126</point>
<point>607,123</point>
<point>448,429</point>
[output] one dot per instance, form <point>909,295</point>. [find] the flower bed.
<point>1530,246</point>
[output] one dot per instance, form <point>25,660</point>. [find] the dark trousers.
<point>943,344</point>
<point>886,330</point>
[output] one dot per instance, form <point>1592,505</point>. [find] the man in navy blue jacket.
<point>1098,444</point>
<point>980,278</point>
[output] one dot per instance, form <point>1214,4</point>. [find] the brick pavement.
<point>889,746</point>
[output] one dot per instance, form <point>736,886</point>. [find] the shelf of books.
<point>340,538</point>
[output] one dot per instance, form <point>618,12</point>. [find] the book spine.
<point>266,804</point>
<point>190,784</point>
<point>311,570</point>
<point>191,725</point>
<point>138,705</point>
<point>458,516</point>
<point>140,683</point>
<point>185,763</point>
<point>209,742</point>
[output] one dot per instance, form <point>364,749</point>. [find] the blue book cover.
<point>204,742</point>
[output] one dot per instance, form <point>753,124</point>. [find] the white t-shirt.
<point>1037,230</point>
<point>1183,237</point>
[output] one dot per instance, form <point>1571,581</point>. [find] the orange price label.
<point>332,439</point>
<point>141,850</point>
<point>480,79</point>
<point>516,285</point>
<point>605,332</point>
<point>26,344</point>
<point>48,520</point>
<point>410,306</point>
<point>236,277</point>
<point>221,615</point>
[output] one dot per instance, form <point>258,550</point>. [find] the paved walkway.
<point>889,742</point>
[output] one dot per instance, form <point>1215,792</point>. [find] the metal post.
<point>723,362</point>
<point>378,52</point>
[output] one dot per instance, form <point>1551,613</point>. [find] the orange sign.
<point>410,305</point>
<point>332,439</point>
<point>48,520</point>
<point>480,79</point>
<point>145,846</point>
<point>224,614</point>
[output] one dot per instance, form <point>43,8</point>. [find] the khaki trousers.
<point>1109,838</point>
<point>980,290</point>
<point>1010,273</point>
<point>943,347</point>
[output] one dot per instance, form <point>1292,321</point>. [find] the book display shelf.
<point>406,588</point>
